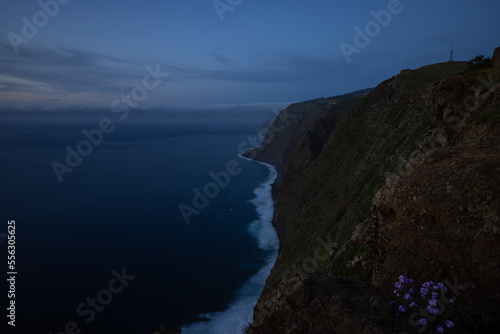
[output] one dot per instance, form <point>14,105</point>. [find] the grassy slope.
<point>298,113</point>
<point>368,144</point>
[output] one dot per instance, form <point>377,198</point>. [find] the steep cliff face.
<point>406,182</point>
<point>320,201</point>
<point>305,125</point>
<point>297,136</point>
<point>440,216</point>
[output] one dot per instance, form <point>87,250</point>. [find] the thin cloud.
<point>69,70</point>
<point>64,70</point>
<point>221,59</point>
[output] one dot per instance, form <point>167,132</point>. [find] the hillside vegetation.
<point>347,170</point>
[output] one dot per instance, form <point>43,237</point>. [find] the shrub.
<point>480,61</point>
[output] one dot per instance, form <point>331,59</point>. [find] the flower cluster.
<point>428,299</point>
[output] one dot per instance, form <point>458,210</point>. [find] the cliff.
<point>405,180</point>
<point>305,125</point>
<point>296,137</point>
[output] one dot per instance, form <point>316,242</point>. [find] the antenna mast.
<point>451,54</point>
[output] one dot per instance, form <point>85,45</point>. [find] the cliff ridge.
<point>404,180</point>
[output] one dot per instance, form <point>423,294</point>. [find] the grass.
<point>432,73</point>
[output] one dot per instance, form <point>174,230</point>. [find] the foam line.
<point>239,313</point>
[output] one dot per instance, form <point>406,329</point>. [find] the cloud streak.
<point>66,70</point>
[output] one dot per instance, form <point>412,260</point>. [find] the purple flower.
<point>423,321</point>
<point>433,310</point>
<point>442,287</point>
<point>449,324</point>
<point>423,291</point>
<point>407,296</point>
<point>439,329</point>
<point>428,285</point>
<point>432,302</point>
<point>398,285</point>
<point>402,278</point>
<point>402,309</point>
<point>435,295</point>
<point>412,290</point>
<point>391,302</point>
<point>413,304</point>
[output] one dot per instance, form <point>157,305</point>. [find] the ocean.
<point>108,250</point>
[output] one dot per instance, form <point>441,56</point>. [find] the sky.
<point>223,52</point>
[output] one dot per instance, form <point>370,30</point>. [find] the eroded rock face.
<point>316,303</point>
<point>459,97</point>
<point>440,220</point>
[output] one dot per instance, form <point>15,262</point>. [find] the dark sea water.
<point>116,214</point>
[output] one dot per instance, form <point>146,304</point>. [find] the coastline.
<point>239,313</point>
<point>274,190</point>
<point>274,186</point>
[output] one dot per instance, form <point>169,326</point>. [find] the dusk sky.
<point>226,52</point>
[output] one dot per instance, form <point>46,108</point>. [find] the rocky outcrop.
<point>315,303</point>
<point>496,57</point>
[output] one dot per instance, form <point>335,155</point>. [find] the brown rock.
<point>357,234</point>
<point>355,262</point>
